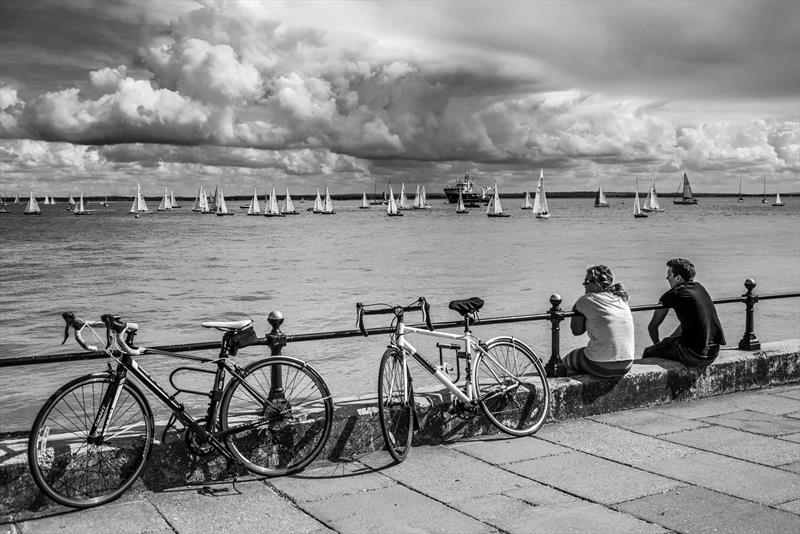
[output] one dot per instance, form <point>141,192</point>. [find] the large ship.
<point>472,197</point>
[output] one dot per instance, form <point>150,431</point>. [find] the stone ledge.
<point>356,429</point>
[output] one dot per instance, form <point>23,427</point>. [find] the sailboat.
<point>105,202</point>
<point>172,200</point>
<point>254,208</point>
<point>166,203</point>
<point>364,203</point>
<point>637,210</point>
<point>778,201</point>
<point>201,202</point>
<point>139,205</point>
<point>421,200</point>
<point>764,197</point>
<point>71,202</point>
<point>222,208</point>
<point>686,197</point>
<point>740,199</point>
<point>52,200</point>
<point>460,208</point>
<point>317,207</point>
<point>79,207</point>
<point>391,207</point>
<point>33,207</point>
<point>271,209</point>
<point>526,202</point>
<point>212,205</point>
<point>402,203</point>
<point>651,202</point>
<point>287,207</point>
<point>540,199</point>
<point>327,206</point>
<point>16,198</point>
<point>600,198</point>
<point>494,208</point>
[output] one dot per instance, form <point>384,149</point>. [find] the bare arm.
<point>658,317</point>
<point>578,323</point>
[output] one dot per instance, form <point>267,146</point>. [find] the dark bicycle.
<point>91,439</point>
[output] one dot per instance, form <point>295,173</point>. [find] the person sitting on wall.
<point>696,341</point>
<point>603,313</point>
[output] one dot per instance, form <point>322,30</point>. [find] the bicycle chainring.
<point>196,444</point>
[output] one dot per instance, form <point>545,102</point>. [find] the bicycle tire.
<point>395,405</point>
<point>283,435</point>
<point>76,473</point>
<point>512,386</point>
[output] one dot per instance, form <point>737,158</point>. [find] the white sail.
<point>287,208</point>
<point>460,208</point>
<point>254,208</point>
<point>425,204</point>
<point>166,203</point>
<point>212,205</point>
<point>540,199</point>
<point>402,203</point>
<point>495,207</point>
<point>764,197</point>
<point>272,209</point>
<point>654,205</point>
<point>526,202</point>
<point>417,200</point>
<point>71,200</point>
<point>79,208</point>
<point>327,207</point>
<point>637,209</point>
<point>778,201</point>
<point>139,205</point>
<point>201,202</point>
<point>222,207</point>
<point>172,201</point>
<point>33,206</point>
<point>16,199</point>
<point>364,203</point>
<point>600,199</point>
<point>391,207</point>
<point>317,204</point>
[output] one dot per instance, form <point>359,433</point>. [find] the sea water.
<point>169,271</point>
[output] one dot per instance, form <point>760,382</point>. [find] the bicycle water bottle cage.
<point>466,306</point>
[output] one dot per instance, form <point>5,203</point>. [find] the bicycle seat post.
<point>276,340</point>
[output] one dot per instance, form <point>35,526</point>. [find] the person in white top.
<point>603,313</point>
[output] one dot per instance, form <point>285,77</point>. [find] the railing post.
<point>276,340</point>
<point>555,367</point>
<point>749,340</point>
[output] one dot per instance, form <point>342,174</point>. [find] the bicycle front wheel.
<point>395,404</point>
<point>512,386</point>
<point>277,417</point>
<point>76,469</point>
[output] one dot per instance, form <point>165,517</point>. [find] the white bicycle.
<point>503,376</point>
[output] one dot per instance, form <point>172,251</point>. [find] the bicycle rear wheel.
<point>278,418</point>
<point>395,404</point>
<point>512,386</point>
<point>75,470</point>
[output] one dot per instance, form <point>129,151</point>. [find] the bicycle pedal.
<point>212,492</point>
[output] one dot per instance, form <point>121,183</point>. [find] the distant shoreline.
<point>436,196</point>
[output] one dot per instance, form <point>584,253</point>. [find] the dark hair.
<point>602,276</point>
<point>682,267</point>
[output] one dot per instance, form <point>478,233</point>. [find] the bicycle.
<point>92,438</point>
<point>503,376</point>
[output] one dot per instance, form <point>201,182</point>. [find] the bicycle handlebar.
<point>419,305</point>
<point>123,332</point>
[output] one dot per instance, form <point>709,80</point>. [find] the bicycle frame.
<point>470,346</point>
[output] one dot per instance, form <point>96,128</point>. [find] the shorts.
<point>670,348</point>
<point>577,360</point>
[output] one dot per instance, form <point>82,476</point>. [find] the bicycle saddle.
<point>465,306</point>
<point>227,325</point>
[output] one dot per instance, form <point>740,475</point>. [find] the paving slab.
<point>756,422</point>
<point>539,494</point>
<point>247,507</point>
<point>504,450</point>
<point>330,481</point>
<point>743,445</point>
<point>131,517</point>
<point>514,516</point>
<point>791,506</point>
<point>700,510</point>
<point>617,444</point>
<point>448,475</point>
<point>758,401</point>
<point>593,478</point>
<point>793,467</point>
<point>794,438</point>
<point>395,509</point>
<point>757,483</point>
<point>793,391</point>
<point>648,422</point>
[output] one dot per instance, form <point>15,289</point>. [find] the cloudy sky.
<point>97,95</point>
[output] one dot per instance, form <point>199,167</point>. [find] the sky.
<point>97,96</point>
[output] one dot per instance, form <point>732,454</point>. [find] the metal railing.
<point>555,367</point>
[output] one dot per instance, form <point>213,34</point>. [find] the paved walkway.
<point>723,464</point>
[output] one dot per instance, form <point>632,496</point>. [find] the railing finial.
<point>555,367</point>
<point>749,340</point>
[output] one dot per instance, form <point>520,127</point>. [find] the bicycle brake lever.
<point>68,318</point>
<point>360,319</point>
<point>426,313</point>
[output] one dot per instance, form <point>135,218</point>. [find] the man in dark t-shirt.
<point>696,341</point>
